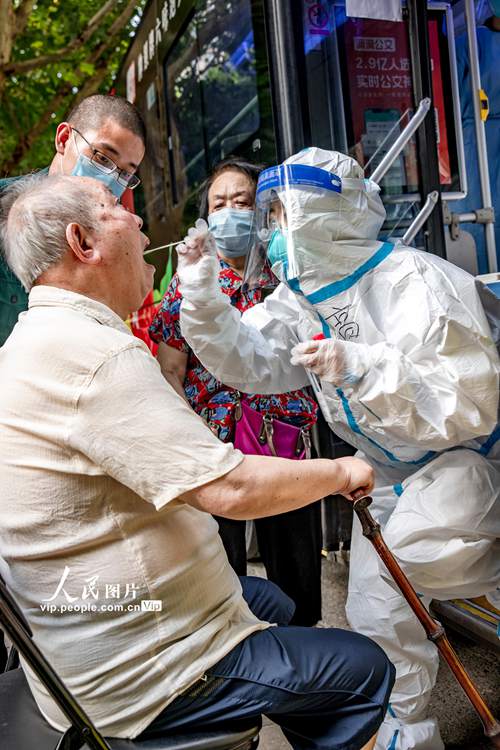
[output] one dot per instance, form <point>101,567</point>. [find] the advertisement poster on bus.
<point>381,98</point>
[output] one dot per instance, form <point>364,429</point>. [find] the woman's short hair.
<point>231,164</point>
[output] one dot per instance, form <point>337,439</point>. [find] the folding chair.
<point>22,727</point>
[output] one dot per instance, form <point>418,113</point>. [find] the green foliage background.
<point>33,102</point>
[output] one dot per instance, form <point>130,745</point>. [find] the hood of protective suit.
<point>329,233</point>
<point>356,213</point>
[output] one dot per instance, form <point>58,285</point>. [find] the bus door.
<point>362,80</point>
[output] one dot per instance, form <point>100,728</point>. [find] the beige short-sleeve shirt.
<point>127,588</point>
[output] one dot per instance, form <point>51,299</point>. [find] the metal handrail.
<point>401,141</point>
<point>482,153</point>
<point>420,219</point>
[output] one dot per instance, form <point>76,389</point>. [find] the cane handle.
<point>369,526</point>
<point>359,495</point>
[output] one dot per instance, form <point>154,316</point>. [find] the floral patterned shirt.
<point>210,398</point>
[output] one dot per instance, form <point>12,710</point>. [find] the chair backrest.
<point>16,626</point>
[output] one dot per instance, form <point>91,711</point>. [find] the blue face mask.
<point>85,168</point>
<point>277,248</point>
<point>233,230</point>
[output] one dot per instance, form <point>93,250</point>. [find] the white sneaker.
<point>395,734</point>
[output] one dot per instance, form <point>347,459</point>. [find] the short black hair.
<point>231,164</point>
<point>94,110</point>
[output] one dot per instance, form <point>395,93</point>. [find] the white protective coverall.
<point>419,399</point>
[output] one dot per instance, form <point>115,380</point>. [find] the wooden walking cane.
<point>435,631</point>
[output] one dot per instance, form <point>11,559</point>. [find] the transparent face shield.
<point>291,203</point>
<point>270,229</point>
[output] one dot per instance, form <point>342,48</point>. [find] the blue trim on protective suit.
<point>490,442</point>
<point>294,285</point>
<point>485,448</point>
<point>336,287</point>
<point>355,428</point>
<point>392,746</point>
<point>326,328</point>
<point>398,489</point>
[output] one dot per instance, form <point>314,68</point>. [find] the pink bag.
<point>261,434</point>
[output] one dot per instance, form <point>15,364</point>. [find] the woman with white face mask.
<point>290,543</point>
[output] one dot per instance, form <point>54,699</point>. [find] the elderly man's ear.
<point>82,243</point>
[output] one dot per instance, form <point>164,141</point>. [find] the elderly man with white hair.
<point>405,348</point>
<point>109,481</point>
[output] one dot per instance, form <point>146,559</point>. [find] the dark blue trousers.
<point>328,689</point>
<point>290,548</point>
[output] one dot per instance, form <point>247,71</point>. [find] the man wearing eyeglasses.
<point>103,137</point>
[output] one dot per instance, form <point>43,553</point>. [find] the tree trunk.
<point>24,66</point>
<point>7,33</point>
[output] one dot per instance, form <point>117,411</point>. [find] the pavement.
<point>461,729</point>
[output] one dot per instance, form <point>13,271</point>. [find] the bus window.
<point>211,91</point>
<point>185,108</point>
<point>324,85</point>
<point>364,67</point>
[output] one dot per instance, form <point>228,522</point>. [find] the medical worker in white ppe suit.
<point>409,374</point>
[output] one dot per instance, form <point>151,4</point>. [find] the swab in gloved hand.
<point>197,264</point>
<point>198,242</point>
